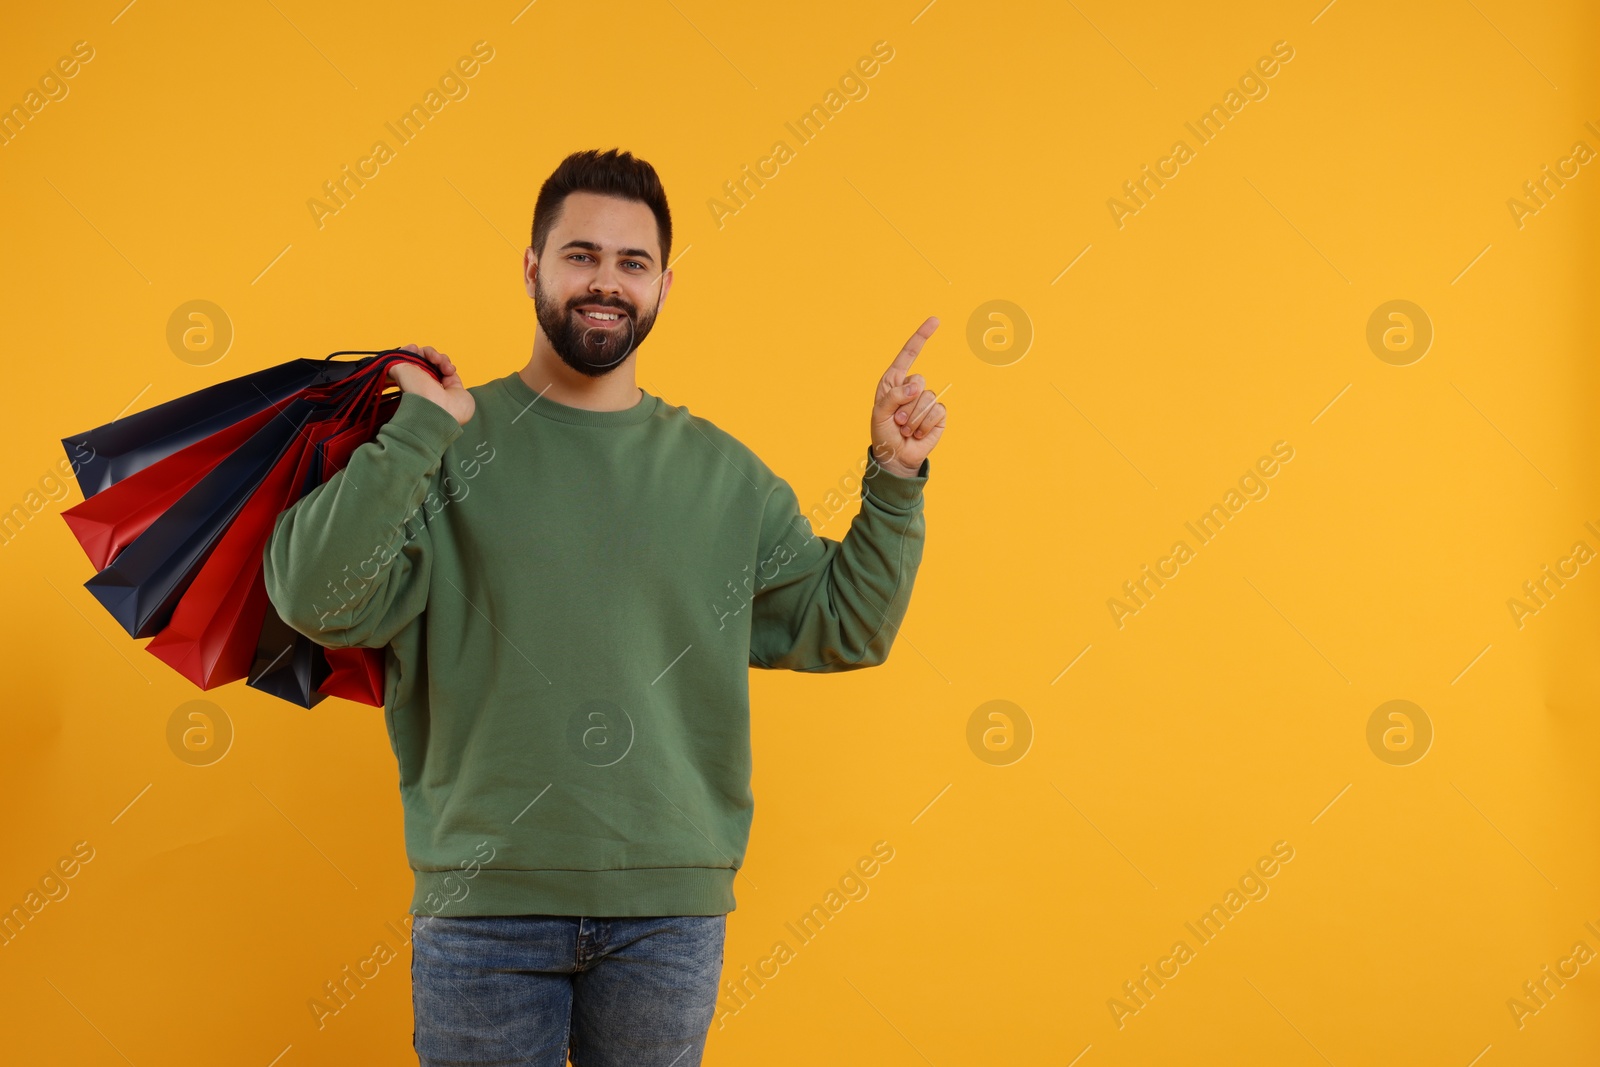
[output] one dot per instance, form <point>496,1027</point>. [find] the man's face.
<point>601,259</point>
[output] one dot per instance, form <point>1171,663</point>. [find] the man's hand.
<point>906,422</point>
<point>446,391</point>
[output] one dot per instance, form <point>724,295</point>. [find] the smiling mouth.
<point>601,318</point>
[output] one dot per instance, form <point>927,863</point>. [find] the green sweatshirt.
<point>571,601</point>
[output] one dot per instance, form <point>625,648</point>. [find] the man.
<point>572,578</point>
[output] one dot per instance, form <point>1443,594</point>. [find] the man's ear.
<point>530,269</point>
<point>666,284</point>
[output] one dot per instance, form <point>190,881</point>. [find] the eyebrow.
<point>635,253</point>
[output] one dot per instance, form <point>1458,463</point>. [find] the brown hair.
<point>611,173</point>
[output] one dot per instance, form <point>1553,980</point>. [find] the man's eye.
<point>631,262</point>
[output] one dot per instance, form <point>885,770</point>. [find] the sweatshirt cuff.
<point>427,422</point>
<point>899,493</point>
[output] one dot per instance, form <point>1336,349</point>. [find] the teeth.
<point>601,315</point>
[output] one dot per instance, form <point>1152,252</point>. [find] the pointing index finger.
<point>902,362</point>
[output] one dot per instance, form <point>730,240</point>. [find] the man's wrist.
<point>890,485</point>
<point>894,467</point>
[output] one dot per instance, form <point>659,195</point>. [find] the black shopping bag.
<point>288,664</point>
<point>142,585</point>
<point>131,444</point>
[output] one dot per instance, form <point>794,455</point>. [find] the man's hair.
<point>612,173</point>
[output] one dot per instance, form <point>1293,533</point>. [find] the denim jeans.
<point>524,989</point>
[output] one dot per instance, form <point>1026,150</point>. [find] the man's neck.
<point>548,376</point>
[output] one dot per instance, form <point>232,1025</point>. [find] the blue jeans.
<point>524,989</point>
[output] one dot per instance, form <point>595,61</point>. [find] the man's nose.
<point>607,280</point>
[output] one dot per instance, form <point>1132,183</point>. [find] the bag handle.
<point>354,401</point>
<point>364,396</point>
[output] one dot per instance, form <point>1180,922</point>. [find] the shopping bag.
<point>214,632</point>
<point>177,513</point>
<point>107,522</point>
<point>212,636</point>
<point>132,443</point>
<point>142,585</point>
<point>288,664</point>
<point>355,674</point>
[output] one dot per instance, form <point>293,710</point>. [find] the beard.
<point>591,350</point>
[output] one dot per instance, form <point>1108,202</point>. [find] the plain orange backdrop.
<point>1134,374</point>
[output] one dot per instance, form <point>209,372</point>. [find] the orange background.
<point>1040,860</point>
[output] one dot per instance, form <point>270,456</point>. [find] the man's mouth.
<point>600,316</point>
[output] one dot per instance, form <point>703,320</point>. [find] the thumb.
<point>891,400</point>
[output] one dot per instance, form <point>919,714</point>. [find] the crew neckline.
<point>528,400</point>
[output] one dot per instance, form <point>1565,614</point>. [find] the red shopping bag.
<point>287,663</point>
<point>355,673</point>
<point>211,638</point>
<point>107,522</point>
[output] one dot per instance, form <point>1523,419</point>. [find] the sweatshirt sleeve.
<point>821,605</point>
<point>347,565</point>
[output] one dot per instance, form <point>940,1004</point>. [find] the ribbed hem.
<point>897,492</point>
<point>642,891</point>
